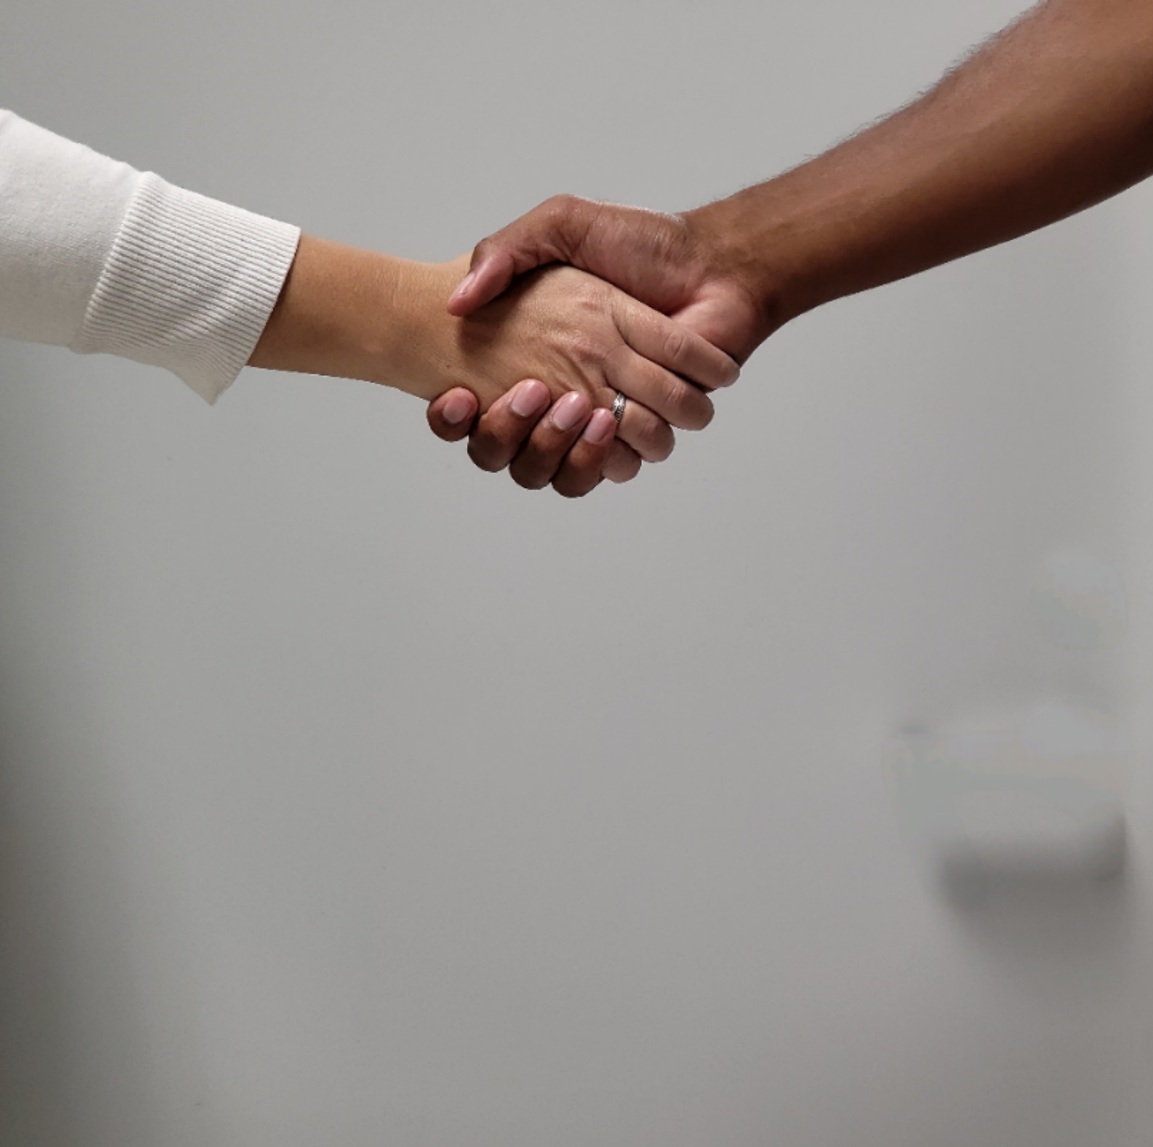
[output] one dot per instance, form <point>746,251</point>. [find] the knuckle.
<point>623,463</point>
<point>566,220</point>
<point>656,440</point>
<point>614,362</point>
<point>684,404</point>
<point>562,207</point>
<point>485,454</point>
<point>569,486</point>
<point>484,249</point>
<point>676,346</point>
<point>528,477</point>
<point>587,350</point>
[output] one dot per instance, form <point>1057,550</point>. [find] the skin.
<point>359,314</point>
<point>1049,117</point>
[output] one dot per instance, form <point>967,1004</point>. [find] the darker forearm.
<point>1050,117</point>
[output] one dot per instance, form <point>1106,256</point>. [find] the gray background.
<point>351,796</point>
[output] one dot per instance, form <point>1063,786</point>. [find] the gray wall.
<point>351,796</point>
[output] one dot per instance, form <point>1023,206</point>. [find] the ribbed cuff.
<point>189,285</point>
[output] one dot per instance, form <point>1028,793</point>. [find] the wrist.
<point>756,247</point>
<point>349,313</point>
<point>422,343</point>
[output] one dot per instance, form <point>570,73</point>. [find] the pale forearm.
<point>350,313</point>
<point>1053,115</point>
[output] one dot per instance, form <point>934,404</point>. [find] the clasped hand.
<point>671,263</point>
<point>583,341</point>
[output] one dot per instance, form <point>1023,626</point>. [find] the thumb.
<point>550,233</point>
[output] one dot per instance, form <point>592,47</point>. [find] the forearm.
<point>351,313</point>
<point>1052,116</point>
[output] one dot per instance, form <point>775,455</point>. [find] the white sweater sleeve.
<point>99,257</point>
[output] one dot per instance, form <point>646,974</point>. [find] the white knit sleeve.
<point>99,257</point>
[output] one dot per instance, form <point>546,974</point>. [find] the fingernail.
<point>457,409</point>
<point>568,412</point>
<point>528,398</point>
<point>602,426</point>
<point>734,373</point>
<point>463,286</point>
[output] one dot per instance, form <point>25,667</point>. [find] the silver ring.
<point>619,406</point>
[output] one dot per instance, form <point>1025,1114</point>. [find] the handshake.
<point>655,311</point>
<point>583,333</point>
<point>661,316</point>
<point>567,375</point>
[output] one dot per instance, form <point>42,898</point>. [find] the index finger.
<point>674,346</point>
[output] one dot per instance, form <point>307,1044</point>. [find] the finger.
<point>623,464</point>
<point>451,415</point>
<point>549,233</point>
<point>542,455</point>
<point>675,347</point>
<point>651,437</point>
<point>506,425</point>
<point>583,466</point>
<point>672,399</point>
